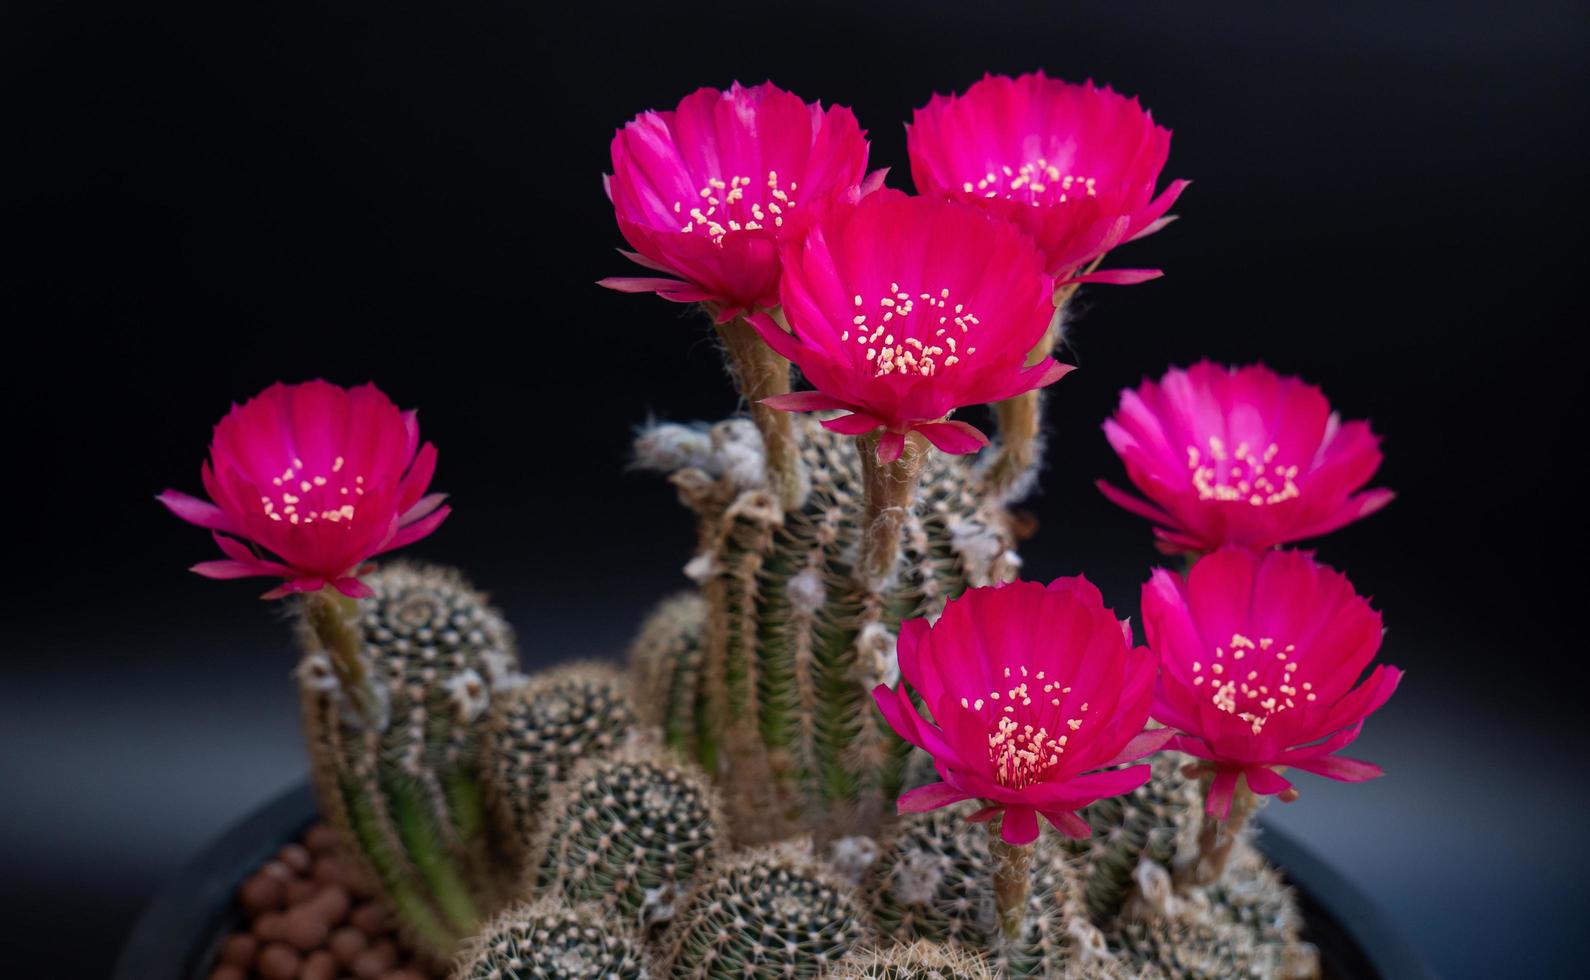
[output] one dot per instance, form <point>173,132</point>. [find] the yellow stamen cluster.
<point>294,485</point>
<point>1250,477</point>
<point>1243,694</point>
<point>1021,752</point>
<point>1039,181</point>
<point>722,206</point>
<point>908,354</point>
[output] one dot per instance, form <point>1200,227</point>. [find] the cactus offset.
<point>771,911</point>
<point>1156,822</point>
<point>629,833</point>
<point>550,940</point>
<point>665,663</point>
<point>407,794</point>
<point>935,882</point>
<point>913,961</point>
<point>793,640</point>
<point>540,731</point>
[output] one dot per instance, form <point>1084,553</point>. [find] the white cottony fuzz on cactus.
<point>737,453</point>
<point>807,592</point>
<point>917,878</point>
<point>1005,568</point>
<point>880,652</point>
<point>668,446</point>
<point>1088,943</point>
<point>975,541</point>
<point>470,695</point>
<point>702,567</point>
<point>853,856</point>
<point>502,671</point>
<point>315,674</point>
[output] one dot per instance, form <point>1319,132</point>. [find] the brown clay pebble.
<point>228,971</point>
<point>348,942</point>
<point>239,949</point>
<point>376,960</point>
<point>332,903</point>
<point>370,919</point>
<point>296,856</point>
<point>329,870</point>
<point>306,928</point>
<point>301,890</point>
<point>322,838</point>
<point>276,869</point>
<point>262,894</point>
<point>319,965</point>
<point>279,961</point>
<point>271,927</point>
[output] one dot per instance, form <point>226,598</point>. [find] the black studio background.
<point>204,199</point>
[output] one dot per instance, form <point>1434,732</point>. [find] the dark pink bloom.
<point>307,482</point>
<point>706,193</point>
<point>902,309</point>
<point>1240,456</point>
<point>1258,655</point>
<point>1073,165</point>
<point>1031,691</point>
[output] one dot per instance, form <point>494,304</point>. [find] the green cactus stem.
<point>768,912</point>
<point>402,782</point>
<point>550,940</point>
<point>628,833</point>
<point>1155,822</point>
<point>793,640</point>
<point>912,961</point>
<point>665,667</point>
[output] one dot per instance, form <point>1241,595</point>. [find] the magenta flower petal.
<point>1221,789</point>
<point>1068,823</point>
<point>1240,456</point>
<point>1033,691</point>
<point>1340,768</point>
<point>1258,657</point>
<point>1073,165</point>
<point>904,309</point>
<point>854,424</point>
<point>310,481</point>
<point>707,192</point>
<point>803,401</point>
<point>930,797</point>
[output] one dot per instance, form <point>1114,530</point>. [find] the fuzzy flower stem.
<point>889,489</point>
<point>1012,879</point>
<point>760,373</point>
<point>1019,418</point>
<point>1217,837</point>
<point>334,618</point>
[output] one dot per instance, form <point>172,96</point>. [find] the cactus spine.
<point>405,788</point>
<point>915,961</point>
<point>628,833</point>
<point>540,731</point>
<point>549,940</point>
<point>793,639</point>
<point>771,911</point>
<point>1156,822</point>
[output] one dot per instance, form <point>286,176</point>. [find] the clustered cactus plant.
<point>859,749</point>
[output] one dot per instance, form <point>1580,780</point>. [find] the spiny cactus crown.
<point>549,940</point>
<point>934,882</point>
<point>771,911</point>
<point>913,961</point>
<point>1155,822</point>
<point>542,729</point>
<point>629,833</point>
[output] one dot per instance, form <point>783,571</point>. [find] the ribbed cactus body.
<point>665,665</point>
<point>792,641</point>
<point>629,834</point>
<point>550,940</point>
<point>407,795</point>
<point>912,961</point>
<point>934,881</point>
<point>768,912</point>
<point>1155,822</point>
<point>540,731</point>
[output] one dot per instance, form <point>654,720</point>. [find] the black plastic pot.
<point>177,936</point>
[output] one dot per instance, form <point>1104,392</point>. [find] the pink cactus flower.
<point>705,193</point>
<point>307,482</point>
<point>1073,165</point>
<point>1240,456</point>
<point>1258,656</point>
<point>902,309</point>
<point>1032,692</point>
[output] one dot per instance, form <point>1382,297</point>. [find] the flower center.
<point>1242,475</point>
<point>724,206</point>
<point>1254,680</point>
<point>1037,182</point>
<point>900,336</point>
<point>302,498</point>
<point>1021,747</point>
